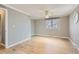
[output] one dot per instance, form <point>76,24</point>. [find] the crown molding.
<point>8,6</point>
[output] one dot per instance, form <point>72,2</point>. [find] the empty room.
<point>39,28</point>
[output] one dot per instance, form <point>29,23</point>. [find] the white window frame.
<point>52,24</point>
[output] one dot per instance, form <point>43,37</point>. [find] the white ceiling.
<point>37,11</point>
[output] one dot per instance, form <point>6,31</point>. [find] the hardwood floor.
<point>42,45</point>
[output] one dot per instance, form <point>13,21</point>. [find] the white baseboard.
<point>51,36</point>
<point>74,44</point>
<point>18,42</point>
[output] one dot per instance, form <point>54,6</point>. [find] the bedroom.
<point>40,28</point>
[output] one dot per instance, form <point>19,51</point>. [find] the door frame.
<point>6,26</point>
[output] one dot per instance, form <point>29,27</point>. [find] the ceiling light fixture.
<point>47,15</point>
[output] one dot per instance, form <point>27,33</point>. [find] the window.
<point>52,24</point>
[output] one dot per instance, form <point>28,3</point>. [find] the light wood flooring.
<point>42,45</point>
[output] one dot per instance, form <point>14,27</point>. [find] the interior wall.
<point>19,27</point>
<point>74,28</point>
<point>62,31</point>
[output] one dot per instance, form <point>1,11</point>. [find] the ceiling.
<point>37,11</point>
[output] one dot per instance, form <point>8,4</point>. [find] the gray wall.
<point>74,29</point>
<point>62,31</point>
<point>19,27</point>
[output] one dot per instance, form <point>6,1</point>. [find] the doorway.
<point>2,27</point>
